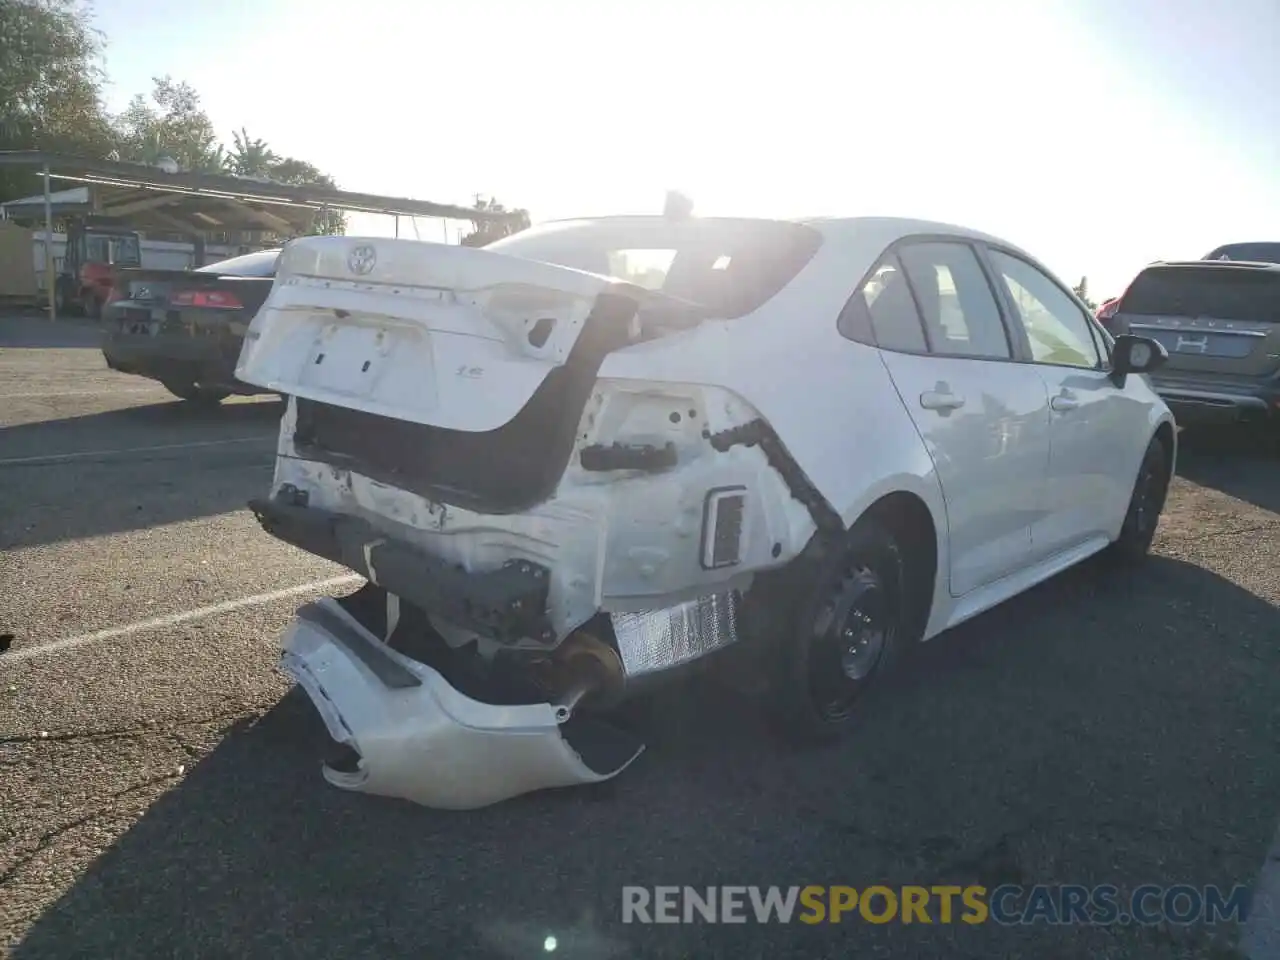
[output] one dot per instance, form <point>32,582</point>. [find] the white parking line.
<point>86,454</point>
<point>171,619</point>
<point>79,393</point>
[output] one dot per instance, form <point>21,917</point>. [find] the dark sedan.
<point>185,328</point>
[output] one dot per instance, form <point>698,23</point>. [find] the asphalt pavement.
<point>160,792</point>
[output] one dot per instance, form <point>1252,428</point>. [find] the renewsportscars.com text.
<point>1057,904</point>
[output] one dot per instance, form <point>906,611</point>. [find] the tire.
<point>850,621</point>
<point>197,396</point>
<point>1150,489</point>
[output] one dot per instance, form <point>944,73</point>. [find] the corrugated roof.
<point>149,196</point>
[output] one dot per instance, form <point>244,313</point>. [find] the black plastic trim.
<point>507,604</point>
<point>390,673</point>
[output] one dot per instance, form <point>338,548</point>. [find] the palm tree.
<point>251,157</point>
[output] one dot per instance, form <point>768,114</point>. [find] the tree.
<point>301,173</point>
<point>50,85</point>
<point>171,124</point>
<point>251,157</point>
<point>1082,291</point>
<point>485,232</point>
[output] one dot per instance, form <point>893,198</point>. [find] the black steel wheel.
<point>1150,489</point>
<point>850,625</point>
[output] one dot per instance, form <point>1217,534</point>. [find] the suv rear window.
<point>729,267</point>
<point>1250,252</point>
<point>1225,293</point>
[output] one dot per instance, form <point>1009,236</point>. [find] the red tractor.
<point>95,247</point>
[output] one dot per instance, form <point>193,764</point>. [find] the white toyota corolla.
<point>597,451</point>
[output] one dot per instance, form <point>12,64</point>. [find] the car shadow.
<point>132,468</point>
<point>1102,728</point>
<point>1242,462</point>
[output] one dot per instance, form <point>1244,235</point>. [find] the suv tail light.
<point>212,299</point>
<point>1108,310</point>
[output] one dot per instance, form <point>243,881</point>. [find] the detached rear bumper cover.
<point>420,739</point>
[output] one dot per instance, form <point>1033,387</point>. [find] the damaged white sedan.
<point>597,451</point>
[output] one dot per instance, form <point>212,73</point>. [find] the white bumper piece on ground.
<point>420,739</point>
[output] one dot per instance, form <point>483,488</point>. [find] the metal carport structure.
<point>196,204</point>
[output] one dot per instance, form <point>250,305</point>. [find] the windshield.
<point>728,267</point>
<point>1250,252</point>
<point>1223,293</point>
<point>261,263</point>
<point>125,251</point>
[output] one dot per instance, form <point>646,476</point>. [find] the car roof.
<point>863,232</point>
<point>887,230</point>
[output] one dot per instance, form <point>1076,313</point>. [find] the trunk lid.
<point>454,337</point>
<point>1214,318</point>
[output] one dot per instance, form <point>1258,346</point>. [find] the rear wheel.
<point>1145,505</point>
<point>196,395</point>
<point>848,627</point>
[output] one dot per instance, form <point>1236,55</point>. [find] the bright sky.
<point>1098,134</point>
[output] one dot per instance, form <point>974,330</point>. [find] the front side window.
<point>96,250</point>
<point>125,251</point>
<point>959,311</point>
<point>1056,327</point>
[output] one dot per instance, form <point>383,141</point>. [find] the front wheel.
<point>848,626</point>
<point>1145,505</point>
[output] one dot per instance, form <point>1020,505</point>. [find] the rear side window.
<point>956,303</point>
<point>259,264</point>
<point>728,266</point>
<point>883,307</point>
<point>1222,293</point>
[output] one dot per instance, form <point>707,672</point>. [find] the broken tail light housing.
<point>1108,310</point>
<point>209,299</point>
<point>723,516</point>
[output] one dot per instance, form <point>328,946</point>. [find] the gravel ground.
<point>159,794</point>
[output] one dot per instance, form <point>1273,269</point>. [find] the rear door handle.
<point>937,400</point>
<point>1064,401</point>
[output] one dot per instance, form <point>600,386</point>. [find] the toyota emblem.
<point>362,259</point>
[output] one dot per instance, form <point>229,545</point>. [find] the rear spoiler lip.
<point>1209,265</point>
<point>184,276</point>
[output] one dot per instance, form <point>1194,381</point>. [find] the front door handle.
<point>1066,400</point>
<point>938,400</point>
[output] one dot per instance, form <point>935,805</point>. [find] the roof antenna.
<point>678,206</point>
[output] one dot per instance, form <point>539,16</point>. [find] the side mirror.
<point>1135,355</point>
